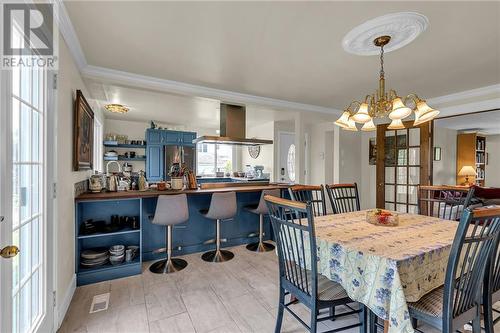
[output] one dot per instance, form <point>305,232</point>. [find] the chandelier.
<point>385,104</point>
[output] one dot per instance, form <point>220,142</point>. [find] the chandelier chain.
<point>382,61</point>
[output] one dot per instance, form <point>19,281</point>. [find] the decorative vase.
<point>177,183</point>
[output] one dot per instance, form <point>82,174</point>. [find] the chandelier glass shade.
<point>382,104</point>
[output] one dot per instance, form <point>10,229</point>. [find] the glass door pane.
<point>28,210</point>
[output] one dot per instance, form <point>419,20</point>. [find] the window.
<point>290,162</point>
<point>98,152</point>
<point>214,157</point>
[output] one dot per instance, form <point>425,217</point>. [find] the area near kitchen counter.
<point>189,237</point>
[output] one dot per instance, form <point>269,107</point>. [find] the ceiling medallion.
<point>402,27</point>
<point>116,108</point>
<point>384,104</point>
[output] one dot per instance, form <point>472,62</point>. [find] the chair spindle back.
<point>344,198</point>
<point>314,194</point>
<point>444,202</point>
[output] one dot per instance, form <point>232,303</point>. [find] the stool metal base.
<point>217,256</point>
<point>168,266</point>
<point>260,247</point>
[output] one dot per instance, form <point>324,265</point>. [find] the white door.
<point>286,153</point>
<point>26,303</point>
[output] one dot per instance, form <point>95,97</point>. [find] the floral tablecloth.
<point>385,267</point>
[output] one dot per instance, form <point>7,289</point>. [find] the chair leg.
<point>260,246</point>
<point>373,320</point>
<point>331,313</point>
<point>476,325</point>
<point>281,309</point>
<point>488,312</point>
<point>314,320</point>
<point>168,265</point>
<point>414,322</point>
<point>217,255</point>
<point>363,318</point>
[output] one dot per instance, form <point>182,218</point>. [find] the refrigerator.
<point>180,154</point>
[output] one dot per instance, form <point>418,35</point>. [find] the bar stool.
<point>261,209</point>
<point>170,210</point>
<point>222,206</point>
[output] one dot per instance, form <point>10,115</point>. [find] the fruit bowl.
<point>382,217</point>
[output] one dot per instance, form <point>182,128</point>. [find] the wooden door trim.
<point>425,157</point>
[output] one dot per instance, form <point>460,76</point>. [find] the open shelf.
<point>123,158</point>
<point>108,266</point>
<point>123,145</point>
<point>103,234</point>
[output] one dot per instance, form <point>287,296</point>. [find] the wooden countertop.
<point>154,193</point>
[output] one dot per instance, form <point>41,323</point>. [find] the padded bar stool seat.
<point>222,207</point>
<point>170,210</point>
<point>261,209</point>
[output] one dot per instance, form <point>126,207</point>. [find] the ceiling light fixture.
<point>116,108</point>
<point>383,104</point>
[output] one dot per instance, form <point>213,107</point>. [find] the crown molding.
<point>478,92</point>
<point>69,34</point>
<point>489,104</point>
<point>183,88</point>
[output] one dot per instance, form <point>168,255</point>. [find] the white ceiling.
<point>485,122</point>
<point>288,50</point>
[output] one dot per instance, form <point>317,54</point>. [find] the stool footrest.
<point>161,250</point>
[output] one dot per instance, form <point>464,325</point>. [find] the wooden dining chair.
<point>444,202</point>
<point>344,198</point>
<point>314,194</point>
<point>293,225</point>
<point>491,293</point>
<point>458,302</point>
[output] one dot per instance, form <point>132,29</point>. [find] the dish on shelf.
<point>117,250</point>
<point>116,260</point>
<point>95,253</point>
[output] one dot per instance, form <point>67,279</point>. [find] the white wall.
<point>349,157</point>
<point>69,80</point>
<point>321,153</point>
<point>493,166</point>
<point>367,187</point>
<point>445,171</point>
<point>265,158</point>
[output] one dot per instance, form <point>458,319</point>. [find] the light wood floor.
<point>237,296</point>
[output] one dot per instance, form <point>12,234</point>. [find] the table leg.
<point>386,326</point>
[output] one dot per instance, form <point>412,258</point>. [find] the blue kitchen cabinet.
<point>154,136</point>
<point>187,138</point>
<point>172,137</point>
<point>154,162</point>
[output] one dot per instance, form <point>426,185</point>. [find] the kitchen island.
<point>190,237</point>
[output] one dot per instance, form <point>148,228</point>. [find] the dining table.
<point>385,267</point>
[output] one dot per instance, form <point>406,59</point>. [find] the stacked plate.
<point>116,254</point>
<point>94,257</point>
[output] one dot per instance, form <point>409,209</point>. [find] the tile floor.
<point>237,296</point>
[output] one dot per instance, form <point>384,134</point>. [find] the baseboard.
<point>62,308</point>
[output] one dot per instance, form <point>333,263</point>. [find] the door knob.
<point>9,251</point>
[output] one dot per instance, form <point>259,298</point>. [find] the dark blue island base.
<point>189,237</point>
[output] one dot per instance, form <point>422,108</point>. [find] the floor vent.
<point>99,303</point>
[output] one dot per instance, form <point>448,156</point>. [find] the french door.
<point>403,163</point>
<point>26,303</point>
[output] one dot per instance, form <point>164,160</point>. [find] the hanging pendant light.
<point>343,121</point>
<point>399,110</point>
<point>396,124</point>
<point>352,125</point>
<point>362,115</point>
<point>425,112</point>
<point>369,126</point>
<point>385,104</point>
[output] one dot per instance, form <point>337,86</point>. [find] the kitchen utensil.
<point>176,183</point>
<point>127,167</point>
<point>116,260</point>
<point>129,255</point>
<point>113,183</point>
<point>95,183</point>
<point>117,249</point>
<point>132,154</point>
<point>162,186</point>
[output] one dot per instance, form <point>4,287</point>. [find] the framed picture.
<point>83,134</point>
<point>372,152</point>
<point>437,153</point>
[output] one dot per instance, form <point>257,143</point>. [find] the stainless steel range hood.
<point>232,128</point>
